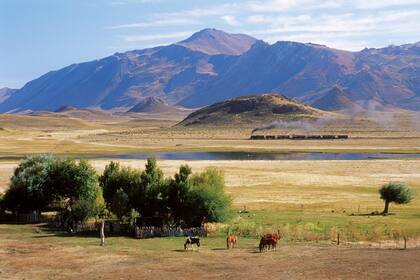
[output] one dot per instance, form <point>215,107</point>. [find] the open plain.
<point>308,201</point>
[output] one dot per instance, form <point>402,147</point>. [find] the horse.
<point>266,243</point>
<point>189,241</point>
<point>274,236</point>
<point>231,241</point>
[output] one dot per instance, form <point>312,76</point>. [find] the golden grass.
<point>305,199</point>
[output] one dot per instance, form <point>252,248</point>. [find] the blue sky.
<point>37,36</point>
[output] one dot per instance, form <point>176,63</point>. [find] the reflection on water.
<point>260,156</point>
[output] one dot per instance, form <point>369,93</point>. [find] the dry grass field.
<point>33,252</point>
<point>310,201</point>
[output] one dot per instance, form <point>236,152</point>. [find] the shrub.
<point>244,229</point>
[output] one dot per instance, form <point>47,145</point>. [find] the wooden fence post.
<point>102,233</point>
<point>338,238</point>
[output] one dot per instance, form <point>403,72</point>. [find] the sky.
<point>37,36</point>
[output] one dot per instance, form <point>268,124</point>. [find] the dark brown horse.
<point>189,241</point>
<point>266,244</point>
<point>274,236</point>
<point>231,241</point>
<point>268,241</point>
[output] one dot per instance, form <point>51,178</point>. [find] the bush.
<point>244,229</point>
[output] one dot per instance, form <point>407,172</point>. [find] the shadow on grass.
<point>219,249</point>
<point>50,231</point>
<point>371,214</point>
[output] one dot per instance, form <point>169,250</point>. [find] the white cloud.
<point>378,4</point>
<point>342,23</point>
<point>231,20</point>
<point>156,37</point>
<point>127,2</point>
<point>157,23</point>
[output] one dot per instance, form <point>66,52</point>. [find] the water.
<point>260,156</point>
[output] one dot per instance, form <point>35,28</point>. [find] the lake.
<point>260,156</point>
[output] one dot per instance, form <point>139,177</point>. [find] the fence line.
<point>148,232</point>
<point>26,218</point>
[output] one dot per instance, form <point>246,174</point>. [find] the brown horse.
<point>274,236</point>
<point>231,241</point>
<point>266,244</point>
<point>268,241</point>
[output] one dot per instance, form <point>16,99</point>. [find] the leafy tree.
<point>398,193</point>
<point>27,190</point>
<point>207,200</point>
<point>119,186</point>
<point>178,194</point>
<point>120,204</point>
<point>150,198</point>
<point>76,185</point>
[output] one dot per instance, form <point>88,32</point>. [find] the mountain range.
<point>213,66</point>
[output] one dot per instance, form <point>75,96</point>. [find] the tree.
<point>398,193</point>
<point>207,199</point>
<point>1,202</point>
<point>76,185</point>
<point>27,190</point>
<point>119,185</point>
<point>150,191</point>
<point>120,205</point>
<point>178,194</point>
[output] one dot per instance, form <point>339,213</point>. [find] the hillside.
<point>77,113</point>
<point>213,66</point>
<point>153,105</point>
<point>5,93</point>
<point>336,99</point>
<point>255,109</point>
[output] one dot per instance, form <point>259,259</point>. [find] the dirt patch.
<point>59,258</point>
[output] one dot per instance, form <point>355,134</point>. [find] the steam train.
<point>300,137</point>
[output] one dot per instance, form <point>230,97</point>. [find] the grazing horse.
<point>268,241</point>
<point>189,241</point>
<point>274,236</point>
<point>231,241</point>
<point>265,244</point>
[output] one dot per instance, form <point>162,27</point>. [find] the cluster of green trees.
<point>187,199</point>
<point>43,183</point>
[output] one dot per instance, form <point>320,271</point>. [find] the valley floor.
<point>309,201</point>
<point>33,252</point>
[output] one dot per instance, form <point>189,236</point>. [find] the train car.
<point>257,137</point>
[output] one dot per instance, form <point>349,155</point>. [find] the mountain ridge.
<point>189,75</point>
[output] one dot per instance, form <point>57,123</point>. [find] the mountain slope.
<point>212,42</point>
<point>153,105</point>
<point>213,66</point>
<point>260,108</point>
<point>335,99</point>
<point>5,93</point>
